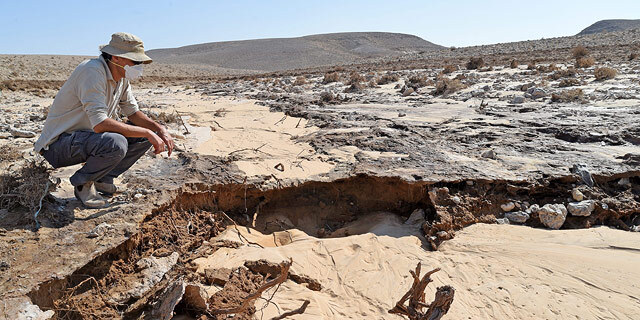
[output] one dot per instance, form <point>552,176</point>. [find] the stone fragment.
<point>19,133</point>
<point>506,207</point>
<point>517,216</point>
<point>416,217</point>
<point>536,93</point>
<point>553,215</point>
<point>582,172</point>
<point>518,100</point>
<point>408,91</point>
<point>456,200</point>
<point>582,208</point>
<point>533,208</point>
<point>502,221</point>
<point>624,182</point>
<point>167,301</point>
<point>577,195</point>
<point>218,276</point>
<point>99,230</point>
<point>489,154</point>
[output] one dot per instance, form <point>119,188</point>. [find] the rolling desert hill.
<point>292,53</point>
<point>610,25</point>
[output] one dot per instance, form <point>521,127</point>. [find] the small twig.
<point>281,120</point>
<point>298,122</point>
<point>249,149</point>
<point>300,310</point>
<point>182,121</point>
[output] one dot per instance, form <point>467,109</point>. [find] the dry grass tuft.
<point>163,117</point>
<point>446,86</point>
<point>331,77</point>
<point>514,64</point>
<point>475,63</point>
<point>579,52</point>
<point>633,56</point>
<point>585,62</point>
<point>559,74</point>
<point>355,77</point>
<point>605,73</point>
<point>417,81</point>
<point>388,78</point>
<point>568,96</point>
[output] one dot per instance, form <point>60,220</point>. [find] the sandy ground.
<point>524,273</point>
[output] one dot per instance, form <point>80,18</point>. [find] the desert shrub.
<point>300,80</point>
<point>417,81</point>
<point>449,69</point>
<point>446,86</point>
<point>327,96</point>
<point>514,64</point>
<point>388,78</point>
<point>355,77</point>
<point>568,96</point>
<point>531,66</point>
<point>331,77</point>
<point>579,52</point>
<point>569,82</point>
<point>550,68</point>
<point>605,73</point>
<point>163,117</point>
<point>633,56</point>
<point>585,62</point>
<point>475,63</point>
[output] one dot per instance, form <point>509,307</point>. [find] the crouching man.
<point>83,124</point>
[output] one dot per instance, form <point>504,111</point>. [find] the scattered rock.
<point>517,216</point>
<point>536,93</point>
<point>624,182</point>
<point>553,215</point>
<point>19,133</point>
<point>502,221</point>
<point>533,208</point>
<point>506,207</point>
<point>518,100</point>
<point>456,200</point>
<point>99,230</point>
<point>489,154</point>
<point>582,208</point>
<point>577,195</point>
<point>407,91</point>
<point>5,135</point>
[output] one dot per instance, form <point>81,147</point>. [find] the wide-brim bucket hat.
<point>126,45</point>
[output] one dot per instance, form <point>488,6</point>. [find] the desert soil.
<point>355,184</point>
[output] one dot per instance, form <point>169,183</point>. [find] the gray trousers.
<point>106,155</point>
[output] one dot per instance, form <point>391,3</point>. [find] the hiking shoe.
<point>107,188</point>
<point>88,195</point>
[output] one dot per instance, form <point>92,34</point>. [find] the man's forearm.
<point>111,125</point>
<point>140,119</point>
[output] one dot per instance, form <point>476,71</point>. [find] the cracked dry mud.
<point>355,190</point>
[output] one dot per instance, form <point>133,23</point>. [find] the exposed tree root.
<point>438,308</point>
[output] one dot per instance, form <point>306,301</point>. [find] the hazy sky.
<point>78,27</point>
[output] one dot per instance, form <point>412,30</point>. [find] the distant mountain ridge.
<point>292,53</point>
<point>610,26</point>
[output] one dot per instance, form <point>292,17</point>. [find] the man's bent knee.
<point>113,144</point>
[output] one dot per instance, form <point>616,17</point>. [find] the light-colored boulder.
<point>553,215</point>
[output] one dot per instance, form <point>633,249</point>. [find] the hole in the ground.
<point>110,285</point>
<point>131,279</point>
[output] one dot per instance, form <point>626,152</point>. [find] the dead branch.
<point>284,272</point>
<point>281,120</point>
<point>300,310</point>
<point>438,308</point>
<point>242,237</point>
<point>249,149</point>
